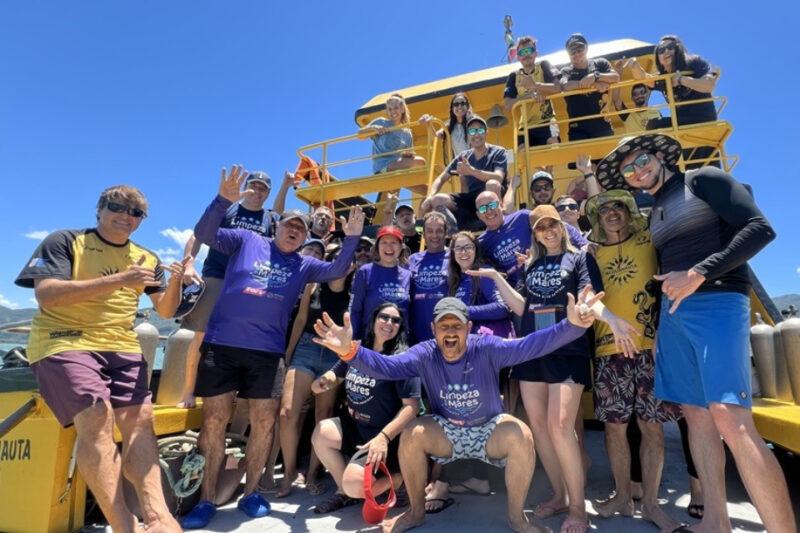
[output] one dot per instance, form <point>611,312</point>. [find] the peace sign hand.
<point>230,185</point>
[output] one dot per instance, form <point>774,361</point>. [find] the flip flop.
<point>445,504</point>
<point>696,510</point>
<point>683,528</point>
<point>552,510</point>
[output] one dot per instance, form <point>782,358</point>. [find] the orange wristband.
<point>349,356</point>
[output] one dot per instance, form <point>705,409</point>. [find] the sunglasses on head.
<point>527,51</point>
<point>116,207</point>
<point>616,206</point>
<point>488,207</point>
<point>384,317</point>
<point>476,131</point>
<point>641,160</point>
<point>563,207</point>
<point>665,47</point>
<point>460,103</point>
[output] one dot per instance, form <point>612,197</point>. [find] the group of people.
<point>653,315</point>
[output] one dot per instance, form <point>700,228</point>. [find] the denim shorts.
<point>312,358</point>
<point>703,350</point>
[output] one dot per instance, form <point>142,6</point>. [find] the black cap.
<point>576,38</point>
<point>295,213</point>
<point>451,306</point>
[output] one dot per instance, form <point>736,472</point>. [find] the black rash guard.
<point>707,221</point>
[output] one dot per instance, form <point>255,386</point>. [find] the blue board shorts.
<point>702,351</point>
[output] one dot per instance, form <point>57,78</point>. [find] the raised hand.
<point>177,270</point>
<point>230,185</point>
<point>138,276</point>
<point>583,163</point>
<point>679,285</point>
<point>580,313</point>
<point>521,258</point>
<point>354,224</point>
<point>335,338</point>
<point>464,168</point>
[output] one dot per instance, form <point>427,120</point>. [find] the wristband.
<point>388,440</point>
<point>588,174</point>
<point>349,356</point>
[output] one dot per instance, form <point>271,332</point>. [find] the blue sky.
<point>161,95</point>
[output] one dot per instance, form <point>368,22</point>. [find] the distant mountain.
<point>782,302</point>
<point>15,315</point>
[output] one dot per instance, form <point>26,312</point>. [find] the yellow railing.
<point>331,189</point>
<point>521,109</point>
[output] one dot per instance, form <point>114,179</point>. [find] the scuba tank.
<point>790,339</point>
<point>764,357</point>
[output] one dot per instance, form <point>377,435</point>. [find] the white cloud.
<point>798,271</point>
<point>5,302</point>
<point>33,301</point>
<point>180,237</point>
<point>37,235</point>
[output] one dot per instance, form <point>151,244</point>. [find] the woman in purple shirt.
<point>384,280</point>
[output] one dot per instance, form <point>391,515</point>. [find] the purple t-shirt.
<point>261,285</point>
<point>501,245</point>
<point>485,305</point>
<point>466,392</point>
<point>429,285</point>
<point>374,284</point>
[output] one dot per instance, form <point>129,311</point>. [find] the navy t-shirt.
<point>546,284</point>
<point>692,113</point>
<point>581,105</point>
<point>494,159</point>
<point>261,222</point>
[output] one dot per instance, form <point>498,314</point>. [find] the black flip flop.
<point>696,510</point>
<point>445,504</point>
<point>683,528</point>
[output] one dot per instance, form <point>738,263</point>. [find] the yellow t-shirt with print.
<point>631,293</point>
<point>101,323</point>
<point>538,114</point>
<point>637,120</point>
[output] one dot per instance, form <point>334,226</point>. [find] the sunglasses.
<point>542,188</point>
<point>461,103</point>
<point>363,249</point>
<point>488,207</point>
<point>115,207</point>
<point>464,248</point>
<point>660,49</point>
<point>616,206</point>
<point>564,207</point>
<point>541,227</point>
<point>527,51</point>
<point>641,161</point>
<point>576,49</point>
<point>476,131</point>
<point>396,320</point>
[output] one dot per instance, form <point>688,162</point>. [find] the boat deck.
<point>482,514</point>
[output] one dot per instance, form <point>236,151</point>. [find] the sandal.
<point>696,510</point>
<point>445,504</point>
<point>334,503</point>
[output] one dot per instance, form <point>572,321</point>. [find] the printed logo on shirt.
<point>505,252</point>
<point>620,270</point>
<point>430,277</point>
<point>249,223</point>
<point>462,293</point>
<point>462,400</point>
<point>358,387</point>
<point>392,292</point>
<point>272,276</point>
<point>253,291</point>
<point>37,262</point>
<point>546,281</point>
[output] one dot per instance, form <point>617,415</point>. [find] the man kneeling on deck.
<point>460,372</point>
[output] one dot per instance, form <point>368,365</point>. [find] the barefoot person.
<point>705,227</point>
<point>246,335</point>
<point>377,411</point>
<point>87,359</point>
<point>460,372</point>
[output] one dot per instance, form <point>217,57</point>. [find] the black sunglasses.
<point>563,207</point>
<point>661,48</point>
<point>396,320</point>
<point>616,206</point>
<point>115,207</point>
<point>460,104</point>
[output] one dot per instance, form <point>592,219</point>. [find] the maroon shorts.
<point>73,381</point>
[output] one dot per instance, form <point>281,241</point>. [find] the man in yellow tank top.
<point>86,356</point>
<point>623,387</point>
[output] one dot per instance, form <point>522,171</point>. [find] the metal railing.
<point>521,109</point>
<point>430,150</point>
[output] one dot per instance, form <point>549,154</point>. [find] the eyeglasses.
<point>396,320</point>
<point>488,207</point>
<point>661,48</point>
<point>563,207</point>
<point>115,207</point>
<point>576,49</point>
<point>616,206</point>
<point>527,51</point>
<point>476,131</point>
<point>460,103</point>
<point>464,248</point>
<point>363,249</point>
<point>542,188</point>
<point>641,161</point>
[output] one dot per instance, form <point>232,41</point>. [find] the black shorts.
<point>465,212</point>
<point>589,129</point>
<point>224,369</point>
<point>555,368</point>
<point>354,435</point>
<point>537,136</point>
